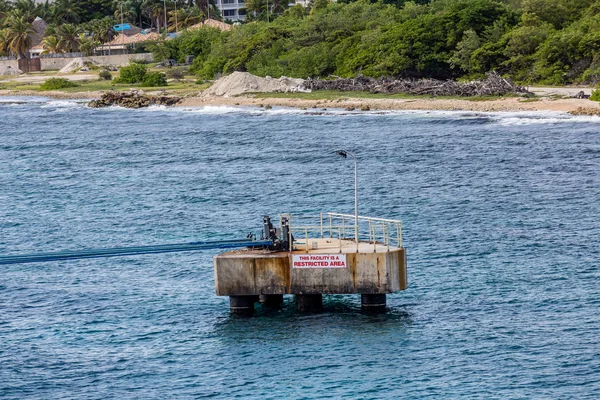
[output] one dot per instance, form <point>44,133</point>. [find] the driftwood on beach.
<point>132,99</point>
<point>493,85</point>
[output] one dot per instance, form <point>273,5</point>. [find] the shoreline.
<point>507,104</point>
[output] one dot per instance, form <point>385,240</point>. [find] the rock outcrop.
<point>132,99</point>
<point>586,111</point>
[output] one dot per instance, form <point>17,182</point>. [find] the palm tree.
<point>185,17</point>
<point>155,11</point>
<point>51,45</point>
<point>278,7</point>
<point>27,9</point>
<point>133,11</point>
<point>87,44</point>
<point>19,32</point>
<point>4,47</point>
<point>5,7</point>
<point>192,16</point>
<point>207,7</point>
<point>67,11</point>
<point>68,37</point>
<point>256,9</point>
<point>101,30</point>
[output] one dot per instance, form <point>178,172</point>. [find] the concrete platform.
<point>329,266</point>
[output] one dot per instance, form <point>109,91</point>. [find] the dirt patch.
<point>243,82</point>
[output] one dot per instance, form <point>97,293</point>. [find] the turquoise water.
<point>501,220</point>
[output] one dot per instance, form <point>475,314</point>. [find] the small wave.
<point>63,104</point>
<point>554,118</point>
<point>444,116</point>
<point>154,108</point>
<point>10,100</point>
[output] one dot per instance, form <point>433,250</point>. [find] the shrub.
<point>105,75</point>
<point>153,79</point>
<point>134,73</point>
<point>176,73</point>
<point>57,83</point>
<point>595,95</point>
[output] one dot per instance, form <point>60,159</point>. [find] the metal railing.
<point>375,231</point>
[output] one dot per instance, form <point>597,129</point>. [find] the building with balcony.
<point>233,10</point>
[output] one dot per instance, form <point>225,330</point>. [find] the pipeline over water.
<point>129,251</point>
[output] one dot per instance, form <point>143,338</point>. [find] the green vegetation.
<point>138,73</point>
<point>531,41</point>
<point>134,73</point>
<point>595,95</point>
<point>56,84</point>
<point>552,42</point>
<point>176,73</point>
<point>105,75</point>
<point>154,79</point>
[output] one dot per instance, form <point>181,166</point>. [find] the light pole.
<point>345,154</point>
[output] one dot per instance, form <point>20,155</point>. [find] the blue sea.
<point>501,215</point>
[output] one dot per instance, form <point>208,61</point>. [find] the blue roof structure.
<point>121,27</point>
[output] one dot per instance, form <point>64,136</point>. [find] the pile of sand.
<point>10,71</point>
<point>243,82</point>
<point>77,64</point>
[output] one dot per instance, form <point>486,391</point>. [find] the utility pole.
<point>122,29</point>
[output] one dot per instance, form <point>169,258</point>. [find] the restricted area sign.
<point>318,261</point>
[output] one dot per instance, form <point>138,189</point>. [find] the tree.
<point>68,37</point>
<point>154,10</point>
<point>256,10</point>
<point>133,11</point>
<point>67,11</point>
<point>185,17</point>
<point>50,44</point>
<point>87,44</point>
<point>461,57</point>
<point>101,30</point>
<point>27,9</point>
<point>5,7</point>
<point>4,43</point>
<point>19,34</point>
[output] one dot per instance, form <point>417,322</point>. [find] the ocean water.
<point>501,217</point>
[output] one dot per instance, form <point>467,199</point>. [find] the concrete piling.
<point>243,305</point>
<point>373,302</point>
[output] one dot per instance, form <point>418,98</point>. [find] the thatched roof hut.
<point>39,26</point>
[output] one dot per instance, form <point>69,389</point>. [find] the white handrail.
<point>382,231</point>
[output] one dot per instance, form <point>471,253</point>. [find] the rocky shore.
<point>132,99</point>
<point>508,104</point>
